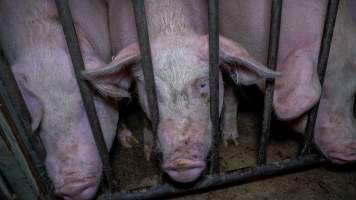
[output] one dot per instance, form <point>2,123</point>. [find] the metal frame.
<point>87,97</point>
<point>21,150</point>
<point>214,180</point>
<point>276,14</point>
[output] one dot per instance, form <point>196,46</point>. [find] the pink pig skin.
<point>33,42</point>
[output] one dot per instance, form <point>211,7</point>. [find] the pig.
<point>298,88</point>
<point>32,39</point>
<point>179,45</point>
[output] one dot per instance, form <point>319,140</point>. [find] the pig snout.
<point>184,143</point>
<point>78,189</point>
<point>184,170</point>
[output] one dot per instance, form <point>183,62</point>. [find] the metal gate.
<point>24,170</point>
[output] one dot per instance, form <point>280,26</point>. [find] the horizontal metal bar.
<point>78,65</point>
<point>213,26</point>
<point>328,31</point>
<point>146,61</point>
<point>276,13</point>
<point>235,177</point>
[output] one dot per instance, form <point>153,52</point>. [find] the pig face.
<point>181,68</point>
<point>184,131</point>
<point>72,160</point>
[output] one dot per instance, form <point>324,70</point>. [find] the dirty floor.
<point>323,183</point>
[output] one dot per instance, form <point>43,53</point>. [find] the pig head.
<point>33,42</point>
<point>181,70</point>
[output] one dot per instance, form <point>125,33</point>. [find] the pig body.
<point>298,88</point>
<point>34,44</point>
<point>179,46</point>
<point>170,34</point>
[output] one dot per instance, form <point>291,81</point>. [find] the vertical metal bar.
<point>12,106</point>
<point>5,191</point>
<point>213,19</point>
<point>14,93</point>
<point>10,81</point>
<point>328,31</point>
<point>15,167</point>
<point>354,106</point>
<point>275,23</point>
<point>78,65</point>
<point>146,60</point>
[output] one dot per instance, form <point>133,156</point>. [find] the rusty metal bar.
<point>146,61</point>
<point>213,26</point>
<point>276,13</point>
<point>215,181</point>
<point>78,65</point>
<point>328,31</point>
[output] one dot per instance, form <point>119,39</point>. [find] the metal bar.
<point>354,106</point>
<point>29,150</point>
<point>15,168</point>
<point>276,13</point>
<point>329,25</point>
<point>78,65</point>
<point>146,61</point>
<point>13,91</point>
<point>235,177</point>
<point>213,21</point>
<point>9,80</point>
<point>5,190</point>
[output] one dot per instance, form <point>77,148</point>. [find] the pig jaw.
<point>73,182</point>
<point>80,189</point>
<point>184,143</point>
<point>74,166</point>
<point>335,137</point>
<point>335,132</point>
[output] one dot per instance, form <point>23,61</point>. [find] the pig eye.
<point>201,87</point>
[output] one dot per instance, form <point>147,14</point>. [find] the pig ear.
<point>240,65</point>
<point>33,103</point>
<point>114,79</point>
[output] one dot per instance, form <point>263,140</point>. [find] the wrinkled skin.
<point>179,48</point>
<point>298,88</point>
<point>34,44</point>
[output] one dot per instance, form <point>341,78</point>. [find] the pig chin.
<point>84,188</point>
<point>75,169</point>
<point>184,151</point>
<point>184,170</point>
<point>74,184</point>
